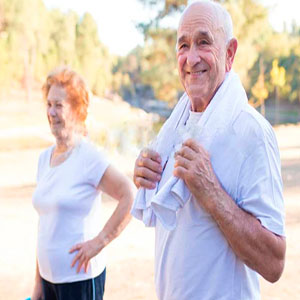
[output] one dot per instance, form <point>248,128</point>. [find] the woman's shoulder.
<point>45,156</point>
<point>90,150</point>
<point>86,146</point>
<point>94,161</point>
<point>46,152</point>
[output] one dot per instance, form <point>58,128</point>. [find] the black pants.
<point>91,289</point>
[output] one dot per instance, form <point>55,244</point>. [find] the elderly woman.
<point>71,176</point>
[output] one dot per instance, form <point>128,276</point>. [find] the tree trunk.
<point>276,106</point>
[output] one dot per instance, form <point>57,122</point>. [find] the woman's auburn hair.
<point>75,87</point>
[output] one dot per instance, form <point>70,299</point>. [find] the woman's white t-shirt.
<point>69,204</point>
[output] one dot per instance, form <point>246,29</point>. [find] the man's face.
<point>201,54</point>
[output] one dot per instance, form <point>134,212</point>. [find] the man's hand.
<point>192,164</point>
<point>147,169</point>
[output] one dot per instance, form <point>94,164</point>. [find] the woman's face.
<point>60,114</point>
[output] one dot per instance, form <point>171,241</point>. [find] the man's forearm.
<point>260,249</point>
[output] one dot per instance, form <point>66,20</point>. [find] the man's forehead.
<point>197,34</point>
<point>200,17</point>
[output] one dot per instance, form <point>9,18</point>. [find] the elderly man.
<point>216,199</point>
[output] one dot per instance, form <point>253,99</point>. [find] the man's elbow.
<point>276,271</point>
<point>276,264</point>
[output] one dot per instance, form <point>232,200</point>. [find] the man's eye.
<point>203,42</point>
<point>183,46</point>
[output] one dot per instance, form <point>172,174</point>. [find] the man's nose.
<point>193,56</point>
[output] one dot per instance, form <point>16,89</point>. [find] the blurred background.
<point>125,50</point>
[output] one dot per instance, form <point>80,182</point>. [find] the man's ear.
<point>230,53</point>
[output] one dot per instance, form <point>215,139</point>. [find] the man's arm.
<point>259,248</point>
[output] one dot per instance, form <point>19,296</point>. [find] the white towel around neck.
<point>165,202</point>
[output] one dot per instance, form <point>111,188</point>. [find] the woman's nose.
<point>52,111</point>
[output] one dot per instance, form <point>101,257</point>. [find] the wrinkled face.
<point>201,54</point>
<point>59,112</point>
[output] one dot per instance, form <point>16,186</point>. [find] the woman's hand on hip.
<point>85,251</point>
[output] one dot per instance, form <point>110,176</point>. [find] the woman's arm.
<point>37,293</point>
<point>120,188</point>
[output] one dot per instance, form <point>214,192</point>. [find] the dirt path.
<point>130,258</point>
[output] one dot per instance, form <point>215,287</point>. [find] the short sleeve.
<point>96,164</point>
<point>260,185</point>
<point>38,169</point>
<point>44,158</point>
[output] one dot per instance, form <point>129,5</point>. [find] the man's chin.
<point>195,92</point>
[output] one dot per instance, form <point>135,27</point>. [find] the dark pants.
<point>91,289</point>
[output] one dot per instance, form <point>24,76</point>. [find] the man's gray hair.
<point>223,14</point>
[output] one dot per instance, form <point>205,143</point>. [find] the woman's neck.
<point>66,143</point>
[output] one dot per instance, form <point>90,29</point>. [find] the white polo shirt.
<point>69,206</point>
<point>194,261</point>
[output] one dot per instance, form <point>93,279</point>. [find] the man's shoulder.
<point>251,123</point>
<point>252,128</point>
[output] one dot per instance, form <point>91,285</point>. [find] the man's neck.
<point>199,105</point>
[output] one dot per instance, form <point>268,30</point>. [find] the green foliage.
<point>251,28</point>
<point>256,40</point>
<point>277,74</point>
<point>34,40</point>
<point>159,67</point>
<point>127,75</point>
<point>163,8</point>
<point>94,59</point>
<point>259,90</point>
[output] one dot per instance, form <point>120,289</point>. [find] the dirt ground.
<point>130,258</point>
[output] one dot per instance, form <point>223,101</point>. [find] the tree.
<point>163,8</point>
<point>278,81</point>
<point>159,68</point>
<point>95,62</point>
<point>259,90</point>
<point>251,27</point>
<point>127,78</point>
<point>34,40</point>
<point>20,38</point>
<point>63,37</point>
